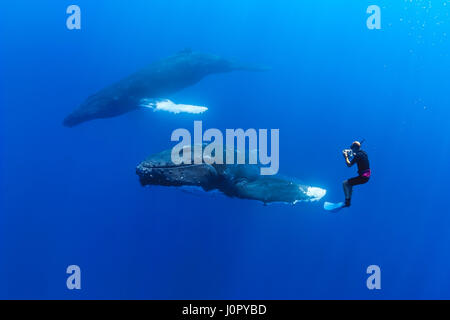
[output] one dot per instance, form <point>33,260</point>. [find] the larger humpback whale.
<point>239,180</point>
<point>158,80</point>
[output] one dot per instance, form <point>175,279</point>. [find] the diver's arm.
<point>347,161</point>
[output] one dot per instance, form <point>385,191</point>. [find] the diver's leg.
<point>348,187</point>
<point>348,192</point>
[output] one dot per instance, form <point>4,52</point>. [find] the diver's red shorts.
<point>361,179</point>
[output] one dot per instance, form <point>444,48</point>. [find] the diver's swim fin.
<point>333,207</point>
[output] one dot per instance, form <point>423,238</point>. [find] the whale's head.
<point>159,169</point>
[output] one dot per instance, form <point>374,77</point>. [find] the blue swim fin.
<point>329,206</point>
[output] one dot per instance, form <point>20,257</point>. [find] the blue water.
<point>71,196</point>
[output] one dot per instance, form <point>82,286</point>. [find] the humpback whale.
<point>157,81</point>
<point>239,180</point>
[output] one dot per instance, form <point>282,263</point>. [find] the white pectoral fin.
<point>170,106</point>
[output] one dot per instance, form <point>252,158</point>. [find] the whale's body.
<point>158,80</point>
<point>239,180</point>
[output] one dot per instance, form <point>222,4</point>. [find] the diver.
<point>358,156</point>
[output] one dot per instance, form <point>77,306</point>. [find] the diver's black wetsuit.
<point>362,161</point>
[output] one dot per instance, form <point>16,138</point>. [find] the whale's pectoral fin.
<point>170,106</point>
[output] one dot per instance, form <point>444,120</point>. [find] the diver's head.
<point>356,146</point>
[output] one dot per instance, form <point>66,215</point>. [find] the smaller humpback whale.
<point>239,180</point>
<point>157,81</point>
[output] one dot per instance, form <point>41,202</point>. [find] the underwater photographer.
<point>355,155</point>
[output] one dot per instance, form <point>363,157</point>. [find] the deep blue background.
<point>71,196</point>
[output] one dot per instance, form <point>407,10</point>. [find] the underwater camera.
<point>348,152</point>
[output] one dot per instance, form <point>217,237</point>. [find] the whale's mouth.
<point>172,166</point>
<point>157,172</point>
<point>169,106</point>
